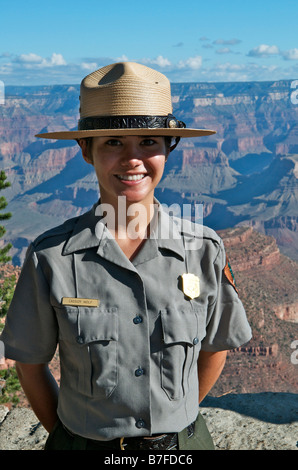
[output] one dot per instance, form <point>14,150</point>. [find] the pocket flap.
<point>97,325</point>
<point>179,326</point>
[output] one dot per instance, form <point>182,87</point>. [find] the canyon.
<point>244,176</point>
<point>267,282</point>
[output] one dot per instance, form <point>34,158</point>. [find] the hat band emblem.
<point>129,122</point>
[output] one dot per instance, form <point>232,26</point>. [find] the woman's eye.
<point>113,142</point>
<point>148,142</point>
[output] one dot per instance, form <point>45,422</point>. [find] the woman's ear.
<point>85,150</point>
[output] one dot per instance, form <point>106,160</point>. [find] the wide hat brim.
<point>126,99</point>
<point>82,134</point>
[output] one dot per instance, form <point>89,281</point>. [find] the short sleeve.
<point>227,324</point>
<point>30,332</point>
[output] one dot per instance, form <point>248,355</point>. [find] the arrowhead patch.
<point>228,272</point>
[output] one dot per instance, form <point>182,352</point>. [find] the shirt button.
<point>195,341</point>
<point>140,423</point>
<point>137,320</point>
<point>79,340</point>
<point>139,372</point>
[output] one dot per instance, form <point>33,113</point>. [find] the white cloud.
<point>123,58</point>
<point>242,72</point>
<point>159,60</point>
<point>32,60</point>
<point>291,54</point>
<point>162,61</point>
<point>193,63</point>
<point>57,59</point>
<point>266,51</point>
<point>89,66</point>
<point>31,68</point>
<point>263,50</point>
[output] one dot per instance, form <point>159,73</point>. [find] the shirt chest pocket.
<point>180,351</point>
<point>89,340</point>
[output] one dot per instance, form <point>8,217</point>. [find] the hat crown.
<point>125,88</point>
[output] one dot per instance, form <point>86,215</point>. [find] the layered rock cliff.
<point>267,282</point>
<point>246,173</point>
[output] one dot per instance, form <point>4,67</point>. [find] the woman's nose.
<point>131,156</point>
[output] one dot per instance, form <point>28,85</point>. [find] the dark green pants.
<point>61,439</point>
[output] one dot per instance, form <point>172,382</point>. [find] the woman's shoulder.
<point>55,235</point>
<point>61,233</point>
<point>196,230</point>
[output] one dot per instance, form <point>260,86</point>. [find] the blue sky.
<point>59,42</point>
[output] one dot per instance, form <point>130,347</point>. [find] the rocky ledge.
<point>256,421</point>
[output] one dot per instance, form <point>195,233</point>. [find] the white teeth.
<point>131,177</point>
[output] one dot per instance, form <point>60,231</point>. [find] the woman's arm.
<point>210,366</point>
<point>41,390</point>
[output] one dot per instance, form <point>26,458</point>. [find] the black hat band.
<point>129,122</point>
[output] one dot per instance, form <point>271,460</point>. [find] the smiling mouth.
<point>131,177</point>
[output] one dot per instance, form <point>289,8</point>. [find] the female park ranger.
<point>141,304</point>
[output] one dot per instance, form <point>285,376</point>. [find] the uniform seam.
<point>215,259</point>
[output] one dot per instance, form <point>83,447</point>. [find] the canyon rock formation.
<point>245,174</point>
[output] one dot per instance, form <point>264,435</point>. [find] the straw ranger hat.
<point>126,99</point>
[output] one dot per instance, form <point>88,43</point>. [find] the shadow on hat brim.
<point>177,132</point>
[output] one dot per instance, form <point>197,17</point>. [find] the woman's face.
<point>129,166</point>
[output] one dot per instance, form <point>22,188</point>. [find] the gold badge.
<point>190,285</point>
<point>80,302</point>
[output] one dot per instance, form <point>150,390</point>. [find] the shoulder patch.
<point>228,272</point>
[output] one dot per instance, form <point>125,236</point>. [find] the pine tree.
<point>7,284</point>
<point>3,203</point>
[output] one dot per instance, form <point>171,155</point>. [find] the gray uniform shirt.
<point>129,364</point>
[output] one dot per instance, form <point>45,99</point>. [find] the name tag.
<point>80,302</point>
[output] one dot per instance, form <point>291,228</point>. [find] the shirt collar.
<point>89,232</point>
<point>168,232</point>
<point>85,233</point>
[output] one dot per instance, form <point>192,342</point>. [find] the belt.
<point>160,442</point>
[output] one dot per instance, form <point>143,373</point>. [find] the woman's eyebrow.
<point>138,136</point>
